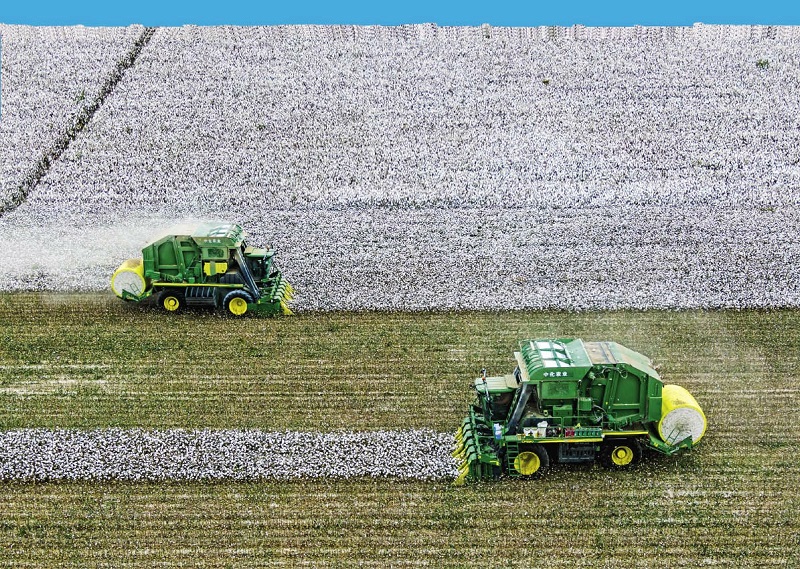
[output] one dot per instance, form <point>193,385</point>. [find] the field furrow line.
<point>77,125</point>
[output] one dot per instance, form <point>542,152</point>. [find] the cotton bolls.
<point>420,167</point>
<point>175,454</point>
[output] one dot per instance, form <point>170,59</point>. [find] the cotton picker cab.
<point>573,401</point>
<point>207,264</point>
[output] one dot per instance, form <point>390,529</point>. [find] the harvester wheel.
<point>236,302</point>
<point>171,301</point>
<point>532,461</point>
<point>620,453</point>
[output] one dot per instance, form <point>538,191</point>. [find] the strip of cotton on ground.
<point>175,454</point>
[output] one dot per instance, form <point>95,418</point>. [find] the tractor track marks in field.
<point>77,125</point>
<point>34,455</point>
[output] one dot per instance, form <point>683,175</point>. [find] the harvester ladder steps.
<point>512,451</point>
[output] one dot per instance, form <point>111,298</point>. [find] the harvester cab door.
<point>257,267</point>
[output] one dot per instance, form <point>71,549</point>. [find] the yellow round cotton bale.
<point>681,416</point>
<point>129,277</point>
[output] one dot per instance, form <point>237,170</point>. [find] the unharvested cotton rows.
<point>136,454</point>
<point>423,167</point>
<point>49,74</point>
<point>610,258</point>
<point>230,118</point>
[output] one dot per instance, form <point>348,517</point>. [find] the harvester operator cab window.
<point>501,405</point>
<point>258,267</point>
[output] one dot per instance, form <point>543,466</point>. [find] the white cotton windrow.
<point>178,454</point>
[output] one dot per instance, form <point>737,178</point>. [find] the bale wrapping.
<point>129,277</point>
<point>681,416</point>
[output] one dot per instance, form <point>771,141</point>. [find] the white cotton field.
<point>175,454</point>
<point>435,168</point>
<point>49,76</point>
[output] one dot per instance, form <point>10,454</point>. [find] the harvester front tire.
<point>532,461</point>
<point>171,301</point>
<point>236,302</point>
<point>620,454</point>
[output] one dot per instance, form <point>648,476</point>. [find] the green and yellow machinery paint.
<point>205,264</point>
<point>573,401</point>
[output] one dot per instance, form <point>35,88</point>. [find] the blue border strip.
<point>443,13</point>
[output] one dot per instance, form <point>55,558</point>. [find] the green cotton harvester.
<point>205,264</point>
<point>573,401</point>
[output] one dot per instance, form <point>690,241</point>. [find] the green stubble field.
<point>90,361</point>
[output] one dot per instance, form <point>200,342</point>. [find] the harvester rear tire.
<point>236,301</point>
<point>171,301</point>
<point>532,461</point>
<point>620,454</point>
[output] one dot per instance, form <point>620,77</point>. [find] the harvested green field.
<point>698,513</point>
<point>88,361</point>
